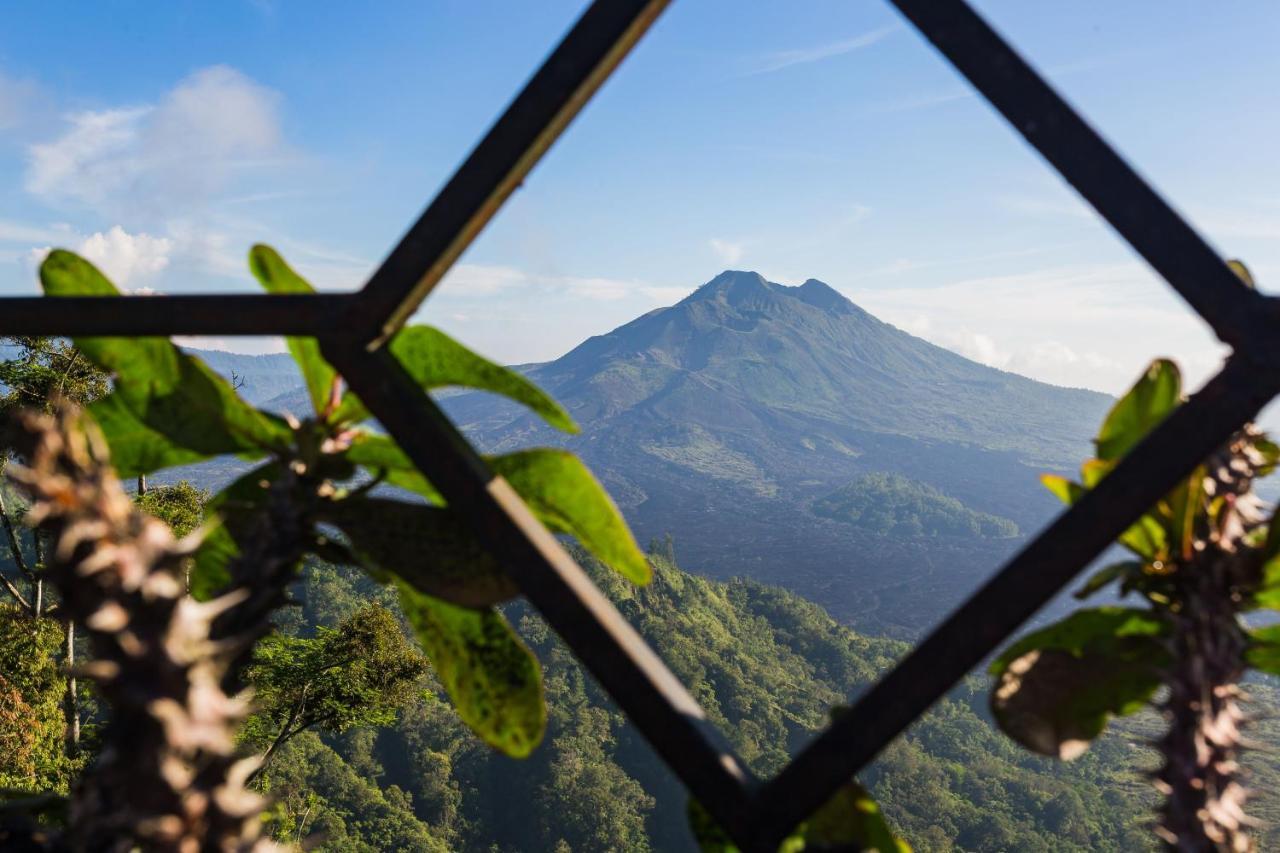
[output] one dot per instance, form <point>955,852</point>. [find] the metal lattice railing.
<point>353,329</point>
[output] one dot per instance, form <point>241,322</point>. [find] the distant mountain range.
<point>724,420</point>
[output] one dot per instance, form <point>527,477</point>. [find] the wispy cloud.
<point>790,58</point>
<point>923,101</point>
<point>163,157</point>
<point>726,251</point>
<point>20,232</point>
<point>1086,325</point>
<point>485,280</point>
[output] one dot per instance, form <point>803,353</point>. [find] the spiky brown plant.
<point>1201,778</point>
<point>168,777</point>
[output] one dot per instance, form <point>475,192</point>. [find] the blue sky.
<point>815,139</point>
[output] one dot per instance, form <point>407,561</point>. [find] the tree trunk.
<point>71,705</point>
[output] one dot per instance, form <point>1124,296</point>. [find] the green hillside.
<point>724,417</point>
<point>767,666</point>
<point>892,505</point>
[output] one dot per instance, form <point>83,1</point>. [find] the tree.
<point>180,506</point>
<point>358,674</point>
<point>32,743</point>
<point>1199,559</point>
<point>42,372</point>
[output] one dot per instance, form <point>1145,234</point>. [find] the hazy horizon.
<point>827,142</point>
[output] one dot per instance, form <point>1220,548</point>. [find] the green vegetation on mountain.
<point>892,505</point>
<point>767,666</point>
<point>723,417</point>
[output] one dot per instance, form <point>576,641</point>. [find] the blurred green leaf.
<point>1106,575</point>
<point>430,548</point>
<point>276,276</point>
<point>1264,649</point>
<point>1242,272</point>
<point>436,360</point>
<point>1146,537</point>
<point>557,486</point>
<point>851,818</point>
<point>1157,393</point>
<point>1056,688</point>
<point>170,392</point>
<point>708,834</point>
<point>562,492</point>
<point>1062,488</point>
<point>1096,629</point>
<point>237,510</point>
<point>493,680</point>
<point>135,447</point>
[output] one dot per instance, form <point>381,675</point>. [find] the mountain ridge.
<point>724,417</point>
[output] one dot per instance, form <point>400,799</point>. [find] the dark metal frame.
<point>353,329</point>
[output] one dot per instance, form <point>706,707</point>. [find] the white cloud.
<point>122,257</point>
<point>726,251</point>
<point>126,257</point>
<point>788,58</point>
<point>485,280</point>
<point>1093,326</point>
<point>19,232</point>
<point>162,157</point>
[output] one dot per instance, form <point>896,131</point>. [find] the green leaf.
<point>851,818</point>
<point>1106,575</point>
<point>136,448</point>
<point>1264,649</point>
<point>562,492</point>
<point>557,486</point>
<point>237,509</point>
<point>430,548</point>
<point>1062,488</point>
<point>380,453</point>
<point>1268,594</point>
<point>169,391</point>
<point>1146,537</point>
<point>1242,272</point>
<point>708,834</point>
<point>1157,393</point>
<point>436,360</point>
<point>493,680</point>
<point>350,410</point>
<point>1056,688</point>
<point>276,276</point>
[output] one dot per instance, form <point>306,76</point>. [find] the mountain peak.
<point>741,288</point>
<point>734,287</point>
<point>824,296</point>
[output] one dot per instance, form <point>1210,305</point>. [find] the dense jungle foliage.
<point>767,665</point>
<point>892,505</point>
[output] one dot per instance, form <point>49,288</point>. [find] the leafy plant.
<point>1199,559</point>
<point>316,476</point>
